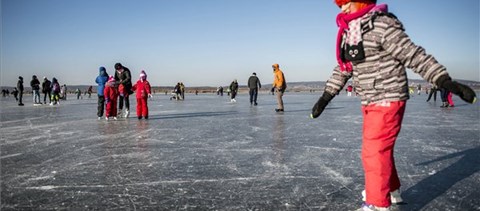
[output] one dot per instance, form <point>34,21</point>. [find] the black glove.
<point>463,91</point>
<point>321,104</point>
<point>273,89</point>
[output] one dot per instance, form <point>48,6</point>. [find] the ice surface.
<point>206,153</point>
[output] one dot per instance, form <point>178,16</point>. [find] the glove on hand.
<point>463,91</point>
<point>321,104</point>
<point>107,100</point>
<point>273,89</point>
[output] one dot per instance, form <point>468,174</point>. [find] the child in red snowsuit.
<point>111,94</point>
<point>373,49</point>
<point>143,92</point>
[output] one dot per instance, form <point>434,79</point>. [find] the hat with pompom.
<point>111,79</point>
<point>143,75</point>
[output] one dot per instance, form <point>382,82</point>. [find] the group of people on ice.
<point>117,88</point>
<point>51,90</point>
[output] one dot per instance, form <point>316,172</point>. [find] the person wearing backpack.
<point>55,87</point>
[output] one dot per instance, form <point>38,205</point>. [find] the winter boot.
<point>369,207</point>
<point>120,113</point>
<point>395,197</point>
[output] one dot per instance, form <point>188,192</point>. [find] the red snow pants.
<point>449,99</point>
<point>381,125</point>
<point>142,107</point>
<point>111,108</point>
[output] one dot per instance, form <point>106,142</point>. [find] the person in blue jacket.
<point>101,79</point>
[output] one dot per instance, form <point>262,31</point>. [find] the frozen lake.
<point>206,153</point>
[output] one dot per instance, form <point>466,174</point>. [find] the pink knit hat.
<point>143,75</point>
<point>111,79</point>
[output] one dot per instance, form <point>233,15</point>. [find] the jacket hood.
<point>102,71</point>
<point>276,66</point>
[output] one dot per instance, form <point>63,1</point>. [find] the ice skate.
<point>106,118</point>
<point>127,113</point>
<point>114,118</point>
<point>369,207</point>
<point>120,113</point>
<point>395,197</point>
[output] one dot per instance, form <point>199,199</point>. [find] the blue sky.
<point>211,42</point>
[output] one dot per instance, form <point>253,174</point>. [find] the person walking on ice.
<point>111,95</point>
<point>279,86</point>
<point>143,92</point>
<point>369,35</point>
<point>234,89</point>
<point>253,85</point>
<point>101,80</point>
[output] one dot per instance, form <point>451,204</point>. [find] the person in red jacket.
<point>111,94</point>
<point>143,92</point>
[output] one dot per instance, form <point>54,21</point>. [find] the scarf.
<point>342,23</point>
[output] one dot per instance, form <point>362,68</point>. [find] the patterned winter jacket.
<point>381,76</point>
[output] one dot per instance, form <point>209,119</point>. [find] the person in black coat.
<point>35,84</point>
<point>46,90</point>
<point>234,89</point>
<point>124,78</point>
<point>254,84</point>
<point>20,90</point>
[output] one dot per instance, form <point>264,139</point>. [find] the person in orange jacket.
<point>279,85</point>
<point>143,92</point>
<point>111,94</point>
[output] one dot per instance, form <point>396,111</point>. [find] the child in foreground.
<point>373,48</point>
<point>143,92</point>
<point>111,94</point>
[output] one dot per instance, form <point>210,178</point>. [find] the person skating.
<point>279,86</point>
<point>124,78</point>
<point>46,84</point>
<point>349,90</point>
<point>182,90</point>
<point>233,89</point>
<point>450,99</point>
<point>143,92</point>
<point>55,89</point>
<point>20,90</point>
<point>444,97</point>
<point>89,91</point>
<point>177,91</point>
<point>361,25</point>
<point>111,94</point>
<point>63,92</point>
<point>433,91</point>
<point>35,84</point>
<point>15,93</point>
<point>253,85</point>
<point>101,79</point>
<point>79,93</point>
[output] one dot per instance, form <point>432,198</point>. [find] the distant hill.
<point>303,86</point>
